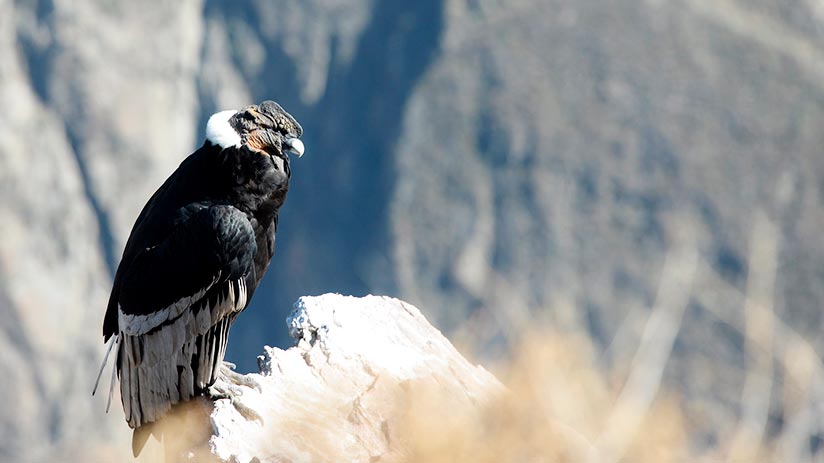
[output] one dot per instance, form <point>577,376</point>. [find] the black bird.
<point>194,258</point>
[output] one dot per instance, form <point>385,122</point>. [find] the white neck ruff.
<point>220,132</point>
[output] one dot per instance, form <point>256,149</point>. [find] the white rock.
<point>337,395</point>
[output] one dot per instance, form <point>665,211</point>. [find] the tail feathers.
<point>184,432</point>
<point>141,436</point>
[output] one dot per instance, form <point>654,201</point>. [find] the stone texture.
<point>339,394</point>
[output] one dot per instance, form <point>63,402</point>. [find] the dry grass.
<point>559,407</point>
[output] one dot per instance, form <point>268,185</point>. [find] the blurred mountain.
<point>492,162</point>
<point>556,155</point>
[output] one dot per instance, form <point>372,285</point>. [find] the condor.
<point>193,261</point>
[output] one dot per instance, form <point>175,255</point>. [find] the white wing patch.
<point>140,324</point>
<point>220,132</point>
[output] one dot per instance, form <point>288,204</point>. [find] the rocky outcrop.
<point>344,392</point>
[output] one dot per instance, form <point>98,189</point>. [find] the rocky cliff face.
<point>488,161</point>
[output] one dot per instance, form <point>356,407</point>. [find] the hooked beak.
<point>294,146</point>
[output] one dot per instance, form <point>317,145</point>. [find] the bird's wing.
<point>210,247</point>
<point>176,301</point>
<point>168,208</point>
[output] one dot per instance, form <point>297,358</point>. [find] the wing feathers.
<point>114,372</point>
<point>141,324</point>
<point>103,366</point>
<point>179,358</point>
<point>175,302</point>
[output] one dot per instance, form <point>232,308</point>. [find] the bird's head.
<point>266,128</point>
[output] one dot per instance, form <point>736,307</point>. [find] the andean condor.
<point>194,258</point>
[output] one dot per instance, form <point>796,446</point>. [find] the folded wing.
<point>175,303</point>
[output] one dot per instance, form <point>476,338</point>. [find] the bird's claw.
<point>238,379</point>
<point>230,386</point>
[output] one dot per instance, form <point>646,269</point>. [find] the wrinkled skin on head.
<point>267,127</point>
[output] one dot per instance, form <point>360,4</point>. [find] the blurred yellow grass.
<point>556,406</point>
<point>566,404</point>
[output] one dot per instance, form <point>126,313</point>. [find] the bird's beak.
<point>294,146</point>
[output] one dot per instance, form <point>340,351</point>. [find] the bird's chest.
<point>260,185</point>
<point>265,229</point>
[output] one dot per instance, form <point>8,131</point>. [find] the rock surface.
<point>340,393</point>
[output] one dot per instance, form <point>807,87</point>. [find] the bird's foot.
<point>227,370</point>
<point>226,387</point>
<point>229,365</point>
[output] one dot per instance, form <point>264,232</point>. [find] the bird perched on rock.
<point>194,258</point>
